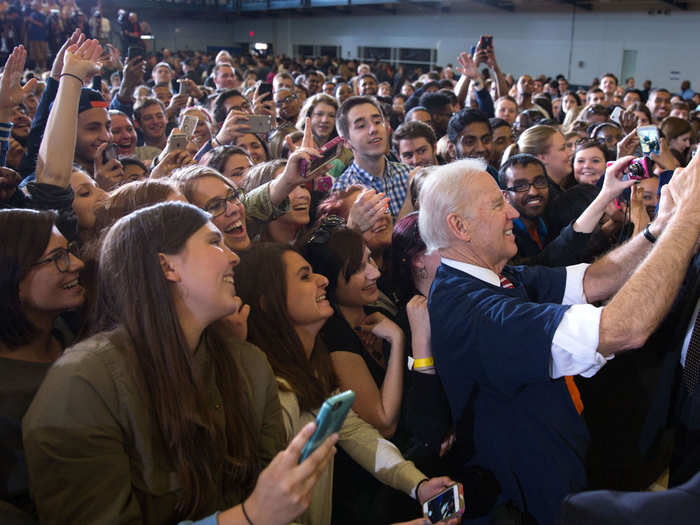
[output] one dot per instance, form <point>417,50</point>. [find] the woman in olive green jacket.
<point>160,416</point>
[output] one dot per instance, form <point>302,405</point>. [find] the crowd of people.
<point>198,250</point>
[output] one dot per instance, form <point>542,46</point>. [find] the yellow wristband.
<point>422,363</point>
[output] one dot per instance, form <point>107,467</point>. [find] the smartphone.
<point>259,123</point>
<point>448,504</point>
<point>184,88</point>
<point>109,153</point>
<point>178,141</point>
<point>329,420</point>
<point>615,115</point>
<point>486,42</point>
<point>329,151</point>
<point>649,139</point>
<point>135,51</point>
<point>189,124</point>
<point>265,87</point>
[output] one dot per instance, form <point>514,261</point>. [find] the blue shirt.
<point>393,184</point>
<point>492,348</point>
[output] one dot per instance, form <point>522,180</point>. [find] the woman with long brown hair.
<point>161,416</point>
<point>288,308</point>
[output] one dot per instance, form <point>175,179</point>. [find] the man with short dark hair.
<point>361,124</point>
<point>419,114</point>
<point>288,106</point>
<point>659,104</point>
<point>312,82</point>
<point>595,96</point>
<point>608,84</point>
<point>228,100</point>
<point>440,108</point>
<point>150,119</point>
<point>470,132</point>
<point>367,85</point>
<point>502,137</point>
<point>415,144</point>
<point>226,77</point>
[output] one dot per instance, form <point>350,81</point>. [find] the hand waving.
<point>82,60</point>
<point>11,93</point>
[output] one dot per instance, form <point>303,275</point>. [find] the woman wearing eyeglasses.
<point>161,416</point>
<point>38,281</point>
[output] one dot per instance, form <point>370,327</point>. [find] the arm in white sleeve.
<point>573,291</point>
<point>575,343</point>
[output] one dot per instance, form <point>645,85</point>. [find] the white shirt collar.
<point>481,273</point>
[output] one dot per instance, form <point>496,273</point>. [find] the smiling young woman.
<point>39,281</point>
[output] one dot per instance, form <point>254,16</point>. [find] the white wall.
<point>525,42</point>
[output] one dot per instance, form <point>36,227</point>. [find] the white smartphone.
<point>649,139</point>
<point>615,115</point>
<point>448,504</point>
<point>189,124</point>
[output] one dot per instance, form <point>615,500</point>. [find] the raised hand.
<point>467,65</point>
<point>368,208</point>
<point>82,60</point>
<point>234,125</point>
<point>76,38</point>
<point>110,174</point>
<point>11,92</point>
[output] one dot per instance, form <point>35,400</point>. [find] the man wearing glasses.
<point>523,179</point>
<point>288,107</point>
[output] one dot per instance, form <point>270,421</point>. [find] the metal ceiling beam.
<point>497,4</point>
<point>587,6</point>
<point>683,6</point>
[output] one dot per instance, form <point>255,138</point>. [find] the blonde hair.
<point>533,141</point>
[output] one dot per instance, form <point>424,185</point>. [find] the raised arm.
<point>11,93</point>
<point>654,279</point>
<point>61,128</point>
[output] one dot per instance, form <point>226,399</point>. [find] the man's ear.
<point>169,271</point>
<point>459,226</point>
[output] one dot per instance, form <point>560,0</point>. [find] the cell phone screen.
<point>442,506</point>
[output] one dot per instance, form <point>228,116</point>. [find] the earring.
<point>422,273</point>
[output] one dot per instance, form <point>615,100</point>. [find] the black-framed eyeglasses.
<point>522,186</point>
<point>285,100</point>
<point>60,257</point>
<point>322,234</point>
<point>218,206</point>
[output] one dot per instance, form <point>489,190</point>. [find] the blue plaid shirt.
<point>393,184</point>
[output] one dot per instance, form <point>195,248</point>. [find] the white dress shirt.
<point>575,341</point>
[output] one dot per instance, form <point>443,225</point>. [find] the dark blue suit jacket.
<point>677,506</point>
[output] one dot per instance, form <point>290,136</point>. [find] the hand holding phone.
<point>446,505</point>
<point>329,420</point>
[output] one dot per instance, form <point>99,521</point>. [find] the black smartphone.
<point>135,51</point>
<point>265,87</point>
<point>486,42</point>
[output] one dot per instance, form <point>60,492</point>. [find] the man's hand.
<point>82,61</point>
<point>261,106</point>
<point>366,210</point>
<point>685,186</point>
<point>234,126</point>
<point>171,161</point>
<point>194,90</point>
<point>177,102</point>
<point>432,487</point>
<point>108,175</point>
<point>628,121</point>
<point>11,93</point>
<point>132,76</point>
<point>76,38</point>
<point>467,66</point>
